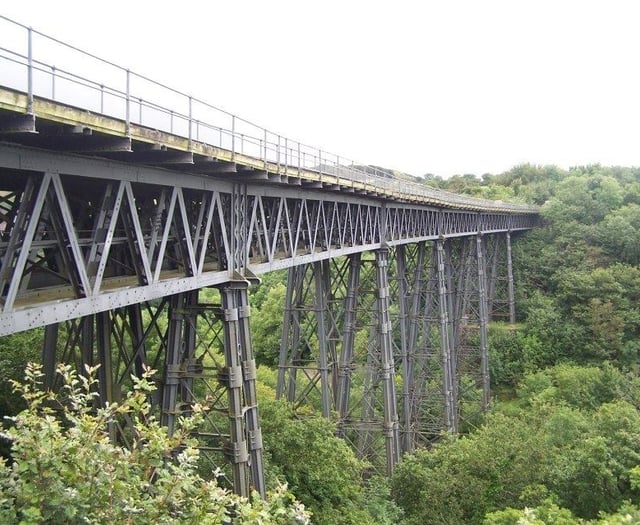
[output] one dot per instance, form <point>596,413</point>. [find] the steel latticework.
<point>407,357</point>
<point>131,232</point>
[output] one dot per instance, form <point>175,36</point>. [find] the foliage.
<point>574,441</point>
<point>15,352</point>
<point>66,469</point>
<point>320,469</point>
<point>266,326</point>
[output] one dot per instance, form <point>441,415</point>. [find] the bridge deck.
<point>62,127</point>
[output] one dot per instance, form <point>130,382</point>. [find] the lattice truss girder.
<point>436,321</point>
<point>94,236</point>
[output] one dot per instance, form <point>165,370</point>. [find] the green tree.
<point>320,469</point>
<point>266,325</point>
<point>619,234</point>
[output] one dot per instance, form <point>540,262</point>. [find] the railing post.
<point>127,126</point>
<point>30,71</point>
<point>278,154</point>
<point>286,154</point>
<point>233,136</point>
<point>190,120</point>
<point>265,148</point>
<point>53,82</point>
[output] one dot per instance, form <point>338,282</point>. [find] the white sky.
<point>444,87</point>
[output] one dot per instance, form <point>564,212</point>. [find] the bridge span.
<point>131,228</point>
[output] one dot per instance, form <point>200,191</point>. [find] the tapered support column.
<point>446,337</point>
<point>512,300</point>
<point>237,449</point>
<point>254,431</point>
<point>390,423</point>
<point>405,349</point>
<point>483,314</point>
<point>348,340</point>
<point>173,358</point>
<point>289,324</point>
<point>320,271</point>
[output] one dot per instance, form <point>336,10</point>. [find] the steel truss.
<point>413,318</point>
<point>130,266</point>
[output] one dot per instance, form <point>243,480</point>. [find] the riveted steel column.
<point>134,313</point>
<point>406,350</point>
<point>446,337</point>
<point>105,372</point>
<point>49,351</point>
<point>253,430</point>
<point>103,344</point>
<point>415,358</point>
<point>407,382</point>
<point>512,300</point>
<point>245,446</point>
<point>319,271</point>
<point>483,314</point>
<point>237,449</point>
<point>348,340</point>
<point>172,365</point>
<point>291,354</point>
<point>286,330</point>
<point>390,422</point>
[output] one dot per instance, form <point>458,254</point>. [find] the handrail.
<point>184,115</point>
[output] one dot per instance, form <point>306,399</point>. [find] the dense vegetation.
<point>561,444</point>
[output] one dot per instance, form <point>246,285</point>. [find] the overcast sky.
<point>443,87</point>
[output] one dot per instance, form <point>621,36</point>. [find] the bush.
<point>66,469</point>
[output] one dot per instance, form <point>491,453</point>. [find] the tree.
<point>266,326</point>
<point>320,468</point>
<point>619,234</point>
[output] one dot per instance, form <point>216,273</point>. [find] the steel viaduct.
<point>134,219</point>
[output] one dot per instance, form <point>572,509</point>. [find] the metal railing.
<point>42,66</point>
